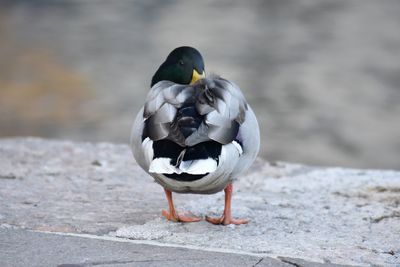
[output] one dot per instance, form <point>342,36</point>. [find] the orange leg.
<point>226,218</point>
<point>172,215</point>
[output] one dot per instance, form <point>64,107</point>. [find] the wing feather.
<point>220,110</point>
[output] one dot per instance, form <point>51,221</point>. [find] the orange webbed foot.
<point>179,217</point>
<point>226,220</point>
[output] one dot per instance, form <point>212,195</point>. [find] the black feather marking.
<point>188,120</point>
<point>169,149</point>
<point>205,150</point>
<point>144,133</point>
<point>239,139</point>
<point>185,177</point>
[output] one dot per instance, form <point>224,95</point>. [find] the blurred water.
<point>322,76</point>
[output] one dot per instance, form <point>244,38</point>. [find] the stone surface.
<point>21,248</point>
<point>301,262</point>
<point>332,215</point>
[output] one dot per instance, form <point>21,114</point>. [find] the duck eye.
<point>181,62</point>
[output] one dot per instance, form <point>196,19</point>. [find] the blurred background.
<point>322,76</point>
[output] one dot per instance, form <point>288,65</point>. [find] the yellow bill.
<point>197,76</point>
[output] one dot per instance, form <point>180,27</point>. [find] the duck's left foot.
<point>179,217</point>
<point>172,215</point>
<point>226,220</point>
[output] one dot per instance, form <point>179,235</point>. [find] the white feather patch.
<point>200,166</point>
<point>163,165</point>
<point>147,145</point>
<point>238,147</point>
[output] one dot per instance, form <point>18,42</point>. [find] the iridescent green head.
<point>184,65</point>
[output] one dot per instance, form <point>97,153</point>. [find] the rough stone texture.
<point>21,249</point>
<point>335,215</point>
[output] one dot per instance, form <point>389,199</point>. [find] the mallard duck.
<point>195,134</point>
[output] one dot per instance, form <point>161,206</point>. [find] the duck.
<point>195,133</point>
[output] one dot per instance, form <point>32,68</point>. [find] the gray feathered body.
<point>195,138</point>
